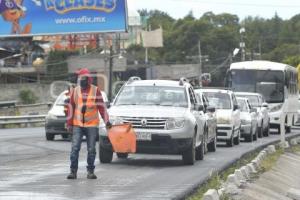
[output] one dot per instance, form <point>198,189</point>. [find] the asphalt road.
<point>33,168</point>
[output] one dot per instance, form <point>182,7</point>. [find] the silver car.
<point>249,116</point>
<point>211,119</point>
<point>257,101</point>
<point>165,115</point>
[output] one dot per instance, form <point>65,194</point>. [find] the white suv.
<point>165,115</point>
<point>228,115</point>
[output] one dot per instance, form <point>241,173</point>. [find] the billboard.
<point>53,17</point>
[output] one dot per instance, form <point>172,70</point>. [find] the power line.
<point>243,4</point>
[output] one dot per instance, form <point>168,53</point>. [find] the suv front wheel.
<point>189,155</point>
<point>105,156</point>
<point>237,138</point>
<point>231,140</point>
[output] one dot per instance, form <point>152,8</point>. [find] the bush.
<point>27,97</point>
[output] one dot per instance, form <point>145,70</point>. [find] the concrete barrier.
<point>255,164</point>
<point>245,172</point>
<point>293,194</point>
<point>251,168</point>
<point>233,179</point>
<point>211,194</point>
<point>238,173</point>
<point>271,149</point>
<point>285,145</point>
<point>294,142</point>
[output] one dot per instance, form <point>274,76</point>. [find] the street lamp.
<point>242,43</point>
<point>111,59</point>
<point>37,64</point>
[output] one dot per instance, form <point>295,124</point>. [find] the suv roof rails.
<point>133,78</point>
<point>220,88</point>
<point>182,81</point>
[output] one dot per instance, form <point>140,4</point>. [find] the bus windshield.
<point>269,83</point>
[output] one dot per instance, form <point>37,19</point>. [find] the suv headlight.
<point>223,120</point>
<point>276,108</point>
<point>175,123</point>
<point>51,116</point>
<point>115,120</point>
<point>246,121</point>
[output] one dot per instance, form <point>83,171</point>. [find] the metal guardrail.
<point>8,104</point>
<point>5,120</point>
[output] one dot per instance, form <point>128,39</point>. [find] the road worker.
<point>86,103</point>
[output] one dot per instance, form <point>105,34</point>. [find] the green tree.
<point>57,66</point>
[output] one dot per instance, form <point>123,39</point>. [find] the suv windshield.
<point>219,100</point>
<point>253,100</point>
<point>243,105</point>
<point>152,95</point>
<point>61,100</point>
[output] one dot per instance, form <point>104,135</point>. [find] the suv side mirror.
<point>236,107</point>
<point>108,104</point>
<point>199,107</point>
<point>50,104</point>
<point>211,109</point>
<point>265,105</point>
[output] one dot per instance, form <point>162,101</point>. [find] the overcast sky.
<point>263,8</point>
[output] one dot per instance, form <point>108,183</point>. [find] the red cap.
<point>84,72</point>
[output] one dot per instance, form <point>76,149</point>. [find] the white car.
<point>249,118</point>
<point>257,101</point>
<point>228,115</point>
<point>56,120</point>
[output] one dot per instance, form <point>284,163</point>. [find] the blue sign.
<point>52,17</point>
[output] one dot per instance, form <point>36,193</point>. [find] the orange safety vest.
<point>91,116</point>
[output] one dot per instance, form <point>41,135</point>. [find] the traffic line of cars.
<point>170,117</point>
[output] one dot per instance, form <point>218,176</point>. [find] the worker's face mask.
<point>84,82</point>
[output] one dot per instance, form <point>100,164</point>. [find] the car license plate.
<point>143,136</point>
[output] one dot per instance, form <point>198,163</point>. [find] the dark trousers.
<point>91,135</point>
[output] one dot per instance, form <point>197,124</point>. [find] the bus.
<point>277,82</point>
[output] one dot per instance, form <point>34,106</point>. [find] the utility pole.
<point>110,73</point>
<point>200,63</point>
<point>242,44</point>
<point>147,49</point>
<point>259,46</point>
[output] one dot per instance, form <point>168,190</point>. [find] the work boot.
<point>91,175</point>
<point>72,175</point>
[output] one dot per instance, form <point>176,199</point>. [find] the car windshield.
<point>243,105</point>
<point>61,100</point>
<point>253,100</point>
<point>152,95</point>
<point>219,100</point>
<point>268,83</point>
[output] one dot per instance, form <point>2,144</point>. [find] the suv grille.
<point>146,122</point>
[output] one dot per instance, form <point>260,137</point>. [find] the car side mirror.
<point>265,105</point>
<point>199,107</point>
<point>236,107</point>
<point>108,104</point>
<point>50,105</point>
<point>211,109</point>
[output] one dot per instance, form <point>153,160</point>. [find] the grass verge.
<point>270,160</point>
<point>294,149</point>
<point>216,180</point>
